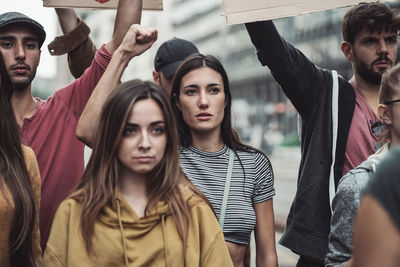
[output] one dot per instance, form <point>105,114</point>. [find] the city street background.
<point>285,162</point>
<point>262,114</point>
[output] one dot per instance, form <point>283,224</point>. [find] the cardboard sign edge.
<point>276,13</point>
<point>112,5</point>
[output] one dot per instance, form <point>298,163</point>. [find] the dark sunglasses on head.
<point>377,127</point>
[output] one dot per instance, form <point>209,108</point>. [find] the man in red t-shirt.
<point>48,126</point>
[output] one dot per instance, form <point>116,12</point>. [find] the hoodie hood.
<point>121,215</point>
<point>129,217</point>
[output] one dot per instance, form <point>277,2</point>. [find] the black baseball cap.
<point>9,18</point>
<point>171,53</point>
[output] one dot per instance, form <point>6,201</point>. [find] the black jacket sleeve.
<point>302,82</point>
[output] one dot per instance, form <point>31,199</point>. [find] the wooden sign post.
<point>239,11</point>
<point>112,4</point>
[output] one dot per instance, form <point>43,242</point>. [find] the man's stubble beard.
<point>21,85</point>
<point>367,73</point>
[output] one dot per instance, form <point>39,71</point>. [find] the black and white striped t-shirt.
<point>207,170</point>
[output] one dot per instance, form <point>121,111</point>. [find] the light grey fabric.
<point>345,205</point>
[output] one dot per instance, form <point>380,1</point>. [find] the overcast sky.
<point>46,17</point>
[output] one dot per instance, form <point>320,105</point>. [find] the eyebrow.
<point>151,124</point>
<point>29,38</point>
<point>191,86</point>
<point>25,39</point>
<point>196,86</point>
<point>213,84</point>
<point>388,36</point>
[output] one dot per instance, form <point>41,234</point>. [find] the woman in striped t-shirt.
<point>212,155</point>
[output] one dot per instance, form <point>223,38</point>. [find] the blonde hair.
<point>390,87</point>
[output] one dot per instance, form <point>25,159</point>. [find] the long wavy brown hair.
<point>101,178</point>
<point>14,178</point>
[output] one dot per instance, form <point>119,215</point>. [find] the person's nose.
<point>19,51</point>
<point>145,141</point>
<point>203,99</point>
<point>383,49</point>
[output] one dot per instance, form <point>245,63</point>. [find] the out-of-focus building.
<point>259,103</point>
<point>270,116</point>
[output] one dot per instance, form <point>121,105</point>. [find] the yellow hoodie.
<point>7,211</point>
<point>152,240</point>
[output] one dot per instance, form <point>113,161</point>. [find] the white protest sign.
<point>239,11</point>
<point>147,4</point>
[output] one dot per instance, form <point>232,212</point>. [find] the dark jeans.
<point>305,262</point>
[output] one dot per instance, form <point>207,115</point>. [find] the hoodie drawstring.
<point>122,232</point>
<point>165,239</point>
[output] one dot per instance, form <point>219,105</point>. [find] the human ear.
<point>178,102</point>
<point>384,114</point>
<point>156,77</point>
<point>347,50</point>
<point>40,56</point>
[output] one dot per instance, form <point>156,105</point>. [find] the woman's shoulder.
<point>188,194</point>
<point>254,159</point>
<point>70,202</point>
<point>69,206</point>
<point>29,157</point>
<point>252,152</point>
<point>68,214</point>
<point>354,181</point>
<point>193,199</point>
<point>31,164</point>
<point>28,152</point>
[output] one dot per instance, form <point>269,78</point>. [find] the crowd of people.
<point>169,181</point>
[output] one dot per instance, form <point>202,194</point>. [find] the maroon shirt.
<point>50,132</point>
<point>361,140</point>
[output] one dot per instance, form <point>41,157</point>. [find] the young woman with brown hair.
<point>236,178</point>
<point>134,206</point>
<point>19,189</point>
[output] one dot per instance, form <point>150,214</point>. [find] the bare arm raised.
<point>129,12</point>
<point>137,40</point>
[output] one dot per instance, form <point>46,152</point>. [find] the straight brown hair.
<point>100,180</point>
<point>14,177</point>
